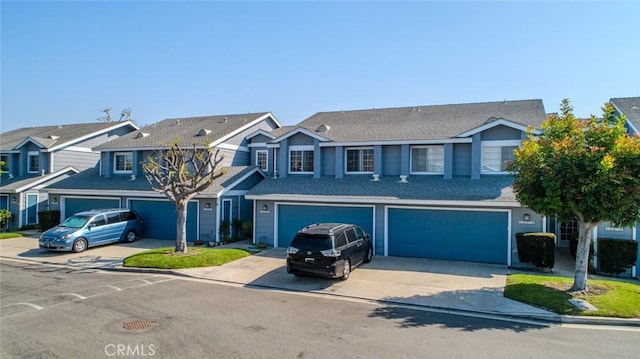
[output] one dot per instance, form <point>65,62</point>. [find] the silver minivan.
<point>92,228</point>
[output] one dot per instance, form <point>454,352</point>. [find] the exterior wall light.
<point>54,200</point>
<point>526,217</point>
<point>265,208</point>
<point>207,205</point>
<point>13,199</point>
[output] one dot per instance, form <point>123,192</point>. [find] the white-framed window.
<point>497,154</point>
<point>4,163</point>
<point>123,162</point>
<point>262,160</point>
<point>301,159</point>
<point>427,159</point>
<point>33,158</point>
<point>359,160</point>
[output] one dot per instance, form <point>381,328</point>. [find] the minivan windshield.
<point>75,221</point>
<point>315,242</point>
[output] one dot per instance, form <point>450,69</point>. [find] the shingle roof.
<point>20,183</point>
<point>187,130</point>
<point>630,107</point>
<point>421,122</point>
<point>50,136</point>
<point>90,180</point>
<point>435,188</point>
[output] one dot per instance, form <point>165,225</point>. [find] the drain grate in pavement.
<point>139,325</point>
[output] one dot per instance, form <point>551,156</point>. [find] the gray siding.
<point>249,183</point>
<point>607,230</point>
<point>263,222</point>
<point>300,139</point>
<point>519,225</point>
<point>77,159</point>
<point>501,133</point>
<point>462,160</point>
<point>207,230</point>
<point>328,161</point>
<point>391,160</point>
<point>260,138</point>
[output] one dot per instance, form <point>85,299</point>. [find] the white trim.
<point>266,152</point>
<point>27,140</point>
<point>276,212</point>
<point>226,146</point>
<point>45,178</point>
<point>94,134</point>
<point>302,130</point>
<point>389,201</point>
<point>346,151</point>
<point>80,149</point>
<point>257,144</point>
<point>63,204</point>
<point>33,154</point>
<point>397,142</point>
<point>411,172</point>
<point>506,210</point>
<point>497,122</point>
<point>115,162</point>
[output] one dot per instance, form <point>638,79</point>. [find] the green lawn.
<point>612,298</point>
<point>7,235</point>
<point>166,258</point>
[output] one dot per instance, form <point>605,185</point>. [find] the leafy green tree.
<point>181,174</point>
<point>583,169</point>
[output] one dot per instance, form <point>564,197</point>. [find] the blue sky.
<point>62,62</point>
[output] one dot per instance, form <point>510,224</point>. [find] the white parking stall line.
<point>75,295</point>
<point>142,280</point>
<point>34,306</point>
<point>110,286</point>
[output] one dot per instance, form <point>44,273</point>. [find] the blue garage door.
<point>472,236</point>
<point>159,219</point>
<point>293,217</point>
<point>75,205</point>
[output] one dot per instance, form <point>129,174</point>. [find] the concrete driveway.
<point>445,285</point>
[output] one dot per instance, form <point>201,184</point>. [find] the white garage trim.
<point>386,223</point>
<point>276,211</point>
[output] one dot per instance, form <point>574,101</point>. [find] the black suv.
<point>328,249</point>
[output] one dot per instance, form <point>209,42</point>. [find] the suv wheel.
<point>347,270</point>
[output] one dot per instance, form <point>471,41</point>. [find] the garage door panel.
<point>75,205</point>
<point>292,218</point>
<point>159,218</point>
<point>476,236</point>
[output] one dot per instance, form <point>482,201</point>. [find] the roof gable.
<point>630,107</point>
<point>495,122</point>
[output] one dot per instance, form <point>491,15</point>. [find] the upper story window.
<point>301,159</point>
<point>33,161</point>
<point>497,154</point>
<point>262,160</point>
<point>4,163</point>
<point>359,160</point>
<point>427,159</point>
<point>123,162</point>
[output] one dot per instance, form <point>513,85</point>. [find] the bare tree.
<point>181,174</point>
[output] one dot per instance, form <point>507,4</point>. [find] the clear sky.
<point>63,62</point>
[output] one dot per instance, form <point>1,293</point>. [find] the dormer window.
<point>33,162</point>
<point>496,155</point>
<point>4,163</point>
<point>301,159</point>
<point>262,160</point>
<point>123,162</point>
<point>359,160</point>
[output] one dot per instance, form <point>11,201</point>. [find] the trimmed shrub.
<point>48,219</point>
<point>615,256</point>
<point>537,249</point>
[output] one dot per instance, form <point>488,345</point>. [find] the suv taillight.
<point>292,250</point>
<point>331,253</point>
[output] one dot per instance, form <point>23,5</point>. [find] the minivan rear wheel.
<point>346,271</point>
<point>79,245</point>
<point>130,236</point>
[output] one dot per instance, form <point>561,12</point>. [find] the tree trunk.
<point>181,223</point>
<point>582,256</point>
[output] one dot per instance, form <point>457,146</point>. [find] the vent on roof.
<point>142,135</point>
<point>491,119</point>
<point>53,137</point>
<point>204,132</point>
<point>323,128</point>
<point>223,120</point>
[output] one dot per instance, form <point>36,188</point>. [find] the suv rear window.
<point>314,242</point>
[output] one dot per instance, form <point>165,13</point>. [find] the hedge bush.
<point>537,249</point>
<point>615,256</point>
<point>48,219</point>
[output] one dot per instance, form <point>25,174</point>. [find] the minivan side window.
<point>350,235</point>
<point>99,220</point>
<point>359,233</point>
<point>113,217</point>
<point>129,216</point>
<point>341,240</point>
